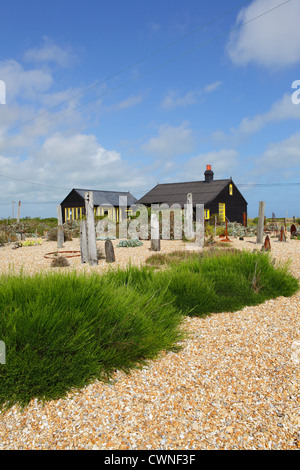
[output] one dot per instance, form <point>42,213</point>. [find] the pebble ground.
<point>234,384</point>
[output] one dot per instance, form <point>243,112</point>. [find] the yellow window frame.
<point>222,213</point>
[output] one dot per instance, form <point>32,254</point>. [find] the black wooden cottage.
<point>105,203</point>
<point>218,196</point>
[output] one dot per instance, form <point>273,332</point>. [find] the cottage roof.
<point>176,193</point>
<point>102,198</point>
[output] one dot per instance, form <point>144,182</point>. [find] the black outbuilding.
<point>220,197</point>
<point>106,203</point>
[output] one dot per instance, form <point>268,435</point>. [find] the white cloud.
<point>271,40</point>
<point>77,150</point>
<point>282,110</point>
<point>50,52</point>
<point>173,100</point>
<point>131,101</point>
<point>170,142</point>
<point>282,158</point>
<point>68,161</point>
<point>223,163</point>
<point>22,83</point>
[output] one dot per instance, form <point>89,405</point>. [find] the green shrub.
<point>62,331</point>
<point>132,242</point>
<point>216,280</point>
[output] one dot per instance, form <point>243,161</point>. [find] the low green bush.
<point>64,330</point>
<point>132,242</point>
<point>214,281</point>
<point>61,331</point>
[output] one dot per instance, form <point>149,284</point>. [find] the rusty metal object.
<point>293,230</point>
<point>226,239</point>
<point>267,244</point>
<point>282,236</point>
<point>56,253</point>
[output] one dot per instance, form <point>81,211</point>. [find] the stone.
<point>109,251</point>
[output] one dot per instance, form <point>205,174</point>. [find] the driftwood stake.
<point>60,229</point>
<point>90,228</point>
<point>261,221</point>
<point>189,229</point>
<point>83,242</point>
<point>155,239</point>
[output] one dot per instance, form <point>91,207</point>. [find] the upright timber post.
<point>19,207</point>
<point>83,242</point>
<point>200,225</point>
<point>155,239</point>
<point>189,229</point>
<point>261,220</point>
<point>60,230</point>
<point>90,227</point>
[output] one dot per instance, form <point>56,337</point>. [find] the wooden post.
<point>60,229</point>
<point>188,219</point>
<point>155,240</point>
<point>200,226</point>
<point>90,228</point>
<point>83,242</point>
<point>18,216</point>
<point>260,225</point>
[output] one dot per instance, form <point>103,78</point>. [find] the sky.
<point>121,95</point>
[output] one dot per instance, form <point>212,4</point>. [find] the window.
<point>230,189</point>
<point>206,214</point>
<point>222,211</point>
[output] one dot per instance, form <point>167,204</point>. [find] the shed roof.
<point>176,193</point>
<point>107,197</point>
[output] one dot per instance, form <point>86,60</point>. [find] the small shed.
<point>106,203</point>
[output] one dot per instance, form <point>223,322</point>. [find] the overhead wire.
<point>142,75</point>
<point>128,67</point>
<point>54,118</point>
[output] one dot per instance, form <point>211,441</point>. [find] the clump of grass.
<point>61,331</point>
<point>100,254</point>
<point>59,261</point>
<point>216,280</point>
<point>175,257</point>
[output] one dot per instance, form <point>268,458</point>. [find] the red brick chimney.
<point>208,174</point>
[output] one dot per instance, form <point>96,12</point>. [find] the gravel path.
<point>234,385</point>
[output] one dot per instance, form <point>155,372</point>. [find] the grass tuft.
<point>64,330</point>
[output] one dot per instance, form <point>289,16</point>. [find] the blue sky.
<point>122,95</point>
